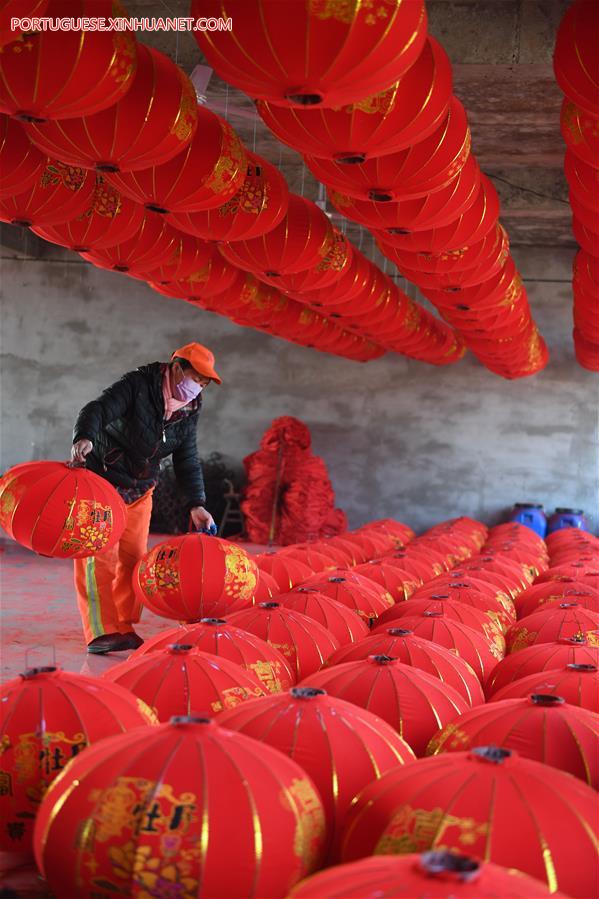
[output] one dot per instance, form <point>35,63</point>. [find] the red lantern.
<point>206,174</point>
<point>399,584</point>
<point>167,787</point>
<point>482,253</point>
<point>266,587</point>
<point>61,74</point>
<point>519,574</point>
<point>313,558</point>
<point>404,646</point>
<point>218,637</point>
<point>47,718</point>
<point>585,235</point>
<point>181,680</point>
<point>539,726</point>
<point>375,545</point>
<point>190,257</point>
<point>332,551</point>
<point>456,611</point>
<point>586,572</point>
<point>580,132</point>
<point>20,161</point>
<point>582,597</point>
<point>58,194</point>
<point>482,799</point>
<point>358,593</point>
<point>346,625</point>
<point>466,643</point>
<point>542,657</point>
<point>151,246</point>
<point>568,620</point>
<point>330,269</point>
<point>60,511</point>
<point>300,55</point>
<point>304,642</point>
<point>415,565</point>
<point>195,576</point>
<point>583,179</point>
<point>339,745</point>
<point>209,285</point>
<point>420,169</point>
<point>18,9</point>
<point>567,590</point>
<point>397,117</point>
<point>472,592</point>
<point>300,241</point>
<point>426,876</point>
<point>577,684</point>
<point>153,122</point>
<point>110,218</point>
<point>410,700</point>
<point>286,570</point>
<point>256,208</point>
<point>575,57</point>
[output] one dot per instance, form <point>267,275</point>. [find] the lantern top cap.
<point>442,863</point>
<point>399,632</point>
<point>579,666</point>
<point>42,669</point>
<point>382,659</point>
<point>175,648</point>
<point>547,699</point>
<point>213,621</point>
<point>269,605</point>
<point>181,720</point>
<point>494,755</point>
<point>307,692</point>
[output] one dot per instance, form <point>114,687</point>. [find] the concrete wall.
<point>400,438</point>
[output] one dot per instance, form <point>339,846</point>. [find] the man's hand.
<point>81,449</point>
<point>201,518</point>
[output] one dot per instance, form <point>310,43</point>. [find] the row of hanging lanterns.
<point>577,72</point>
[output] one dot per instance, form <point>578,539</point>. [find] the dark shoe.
<point>109,643</point>
<point>134,641</point>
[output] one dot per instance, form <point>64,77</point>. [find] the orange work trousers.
<point>104,582</point>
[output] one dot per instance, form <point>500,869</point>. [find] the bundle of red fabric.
<point>289,497</point>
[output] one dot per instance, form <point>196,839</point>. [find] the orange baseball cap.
<point>201,359</point>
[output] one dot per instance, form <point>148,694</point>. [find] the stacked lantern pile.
<point>576,68</point>
<point>397,159</point>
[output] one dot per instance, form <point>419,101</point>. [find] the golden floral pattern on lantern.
<point>39,758</point>
<point>125,49</point>
<point>163,572</point>
<point>234,696</point>
<point>417,829</point>
<point>252,197</point>
<point>346,11</point>
<point>88,526</point>
<point>377,104</point>
<point>269,675</point>
<point>106,200</point>
<point>187,114</point>
<point>451,735</point>
<point>231,161</point>
<point>523,639</point>
<point>10,493</point>
<point>302,799</point>
<point>460,161</point>
<point>153,876</point>
<point>240,573</point>
<point>69,176</point>
<point>337,255</point>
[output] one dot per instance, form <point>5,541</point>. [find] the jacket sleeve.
<point>113,403</point>
<point>188,466</point>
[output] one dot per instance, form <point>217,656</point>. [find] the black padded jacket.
<point>130,436</point>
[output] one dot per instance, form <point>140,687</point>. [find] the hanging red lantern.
<point>218,637</point>
<point>190,257</point>
<point>21,162</point>
<point>568,620</point>
<point>351,283</point>
<point>110,218</point>
<point>399,584</point>
<point>358,593</point>
<point>456,611</point>
<point>576,683</point>
<point>61,74</point>
<point>60,511</point>
<point>304,642</point>
<point>488,254</point>
<point>265,805</point>
<point>181,680</point>
<point>330,269</point>
<point>580,132</point>
<point>315,54</point>
<point>539,726</point>
<point>403,645</point>
<point>204,175</point>
<point>300,241</point>
<point>582,178</point>
<point>587,237</point>
<point>341,746</point>
<point>587,352</point>
<point>59,193</point>
<point>195,576</point>
<point>18,9</point>
<point>257,207</point>
<point>47,717</point>
<point>407,698</point>
<point>474,799</point>
<point>540,658</point>
<point>286,570</point>
<point>397,117</point>
<point>426,876</point>
<point>154,121</point>
<point>346,625</point>
<point>575,60</point>
<point>420,169</point>
<point>212,283</point>
<point>153,244</point>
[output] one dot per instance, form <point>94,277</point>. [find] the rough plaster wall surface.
<point>400,438</point>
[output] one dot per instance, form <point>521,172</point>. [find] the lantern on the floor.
<point>443,605</point>
<point>435,875</point>
<point>316,559</point>
<point>266,587</point>
<point>285,569</point>
<point>304,642</point>
<point>195,576</point>
<point>475,592</point>
<point>59,510</point>
<point>218,637</point>
<point>399,584</point>
<point>540,726</point>
<point>60,192</point>
<point>146,799</point>
<point>205,174</point>
<point>542,657</point>
<point>344,623</point>
<point>480,800</point>
<point>339,745</point>
<point>47,717</point>
<point>407,698</point>
<point>567,590</point>
<point>576,683</point>
<point>567,620</point>
<point>153,244</point>
<point>58,74</point>
<point>182,680</point>
<point>359,593</point>
<point>575,59</point>
<point>300,54</point>
<point>154,121</point>
<point>20,160</point>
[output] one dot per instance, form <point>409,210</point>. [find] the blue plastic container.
<point>567,518</point>
<point>531,515</point>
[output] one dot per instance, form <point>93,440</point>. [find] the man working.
<point>146,415</point>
